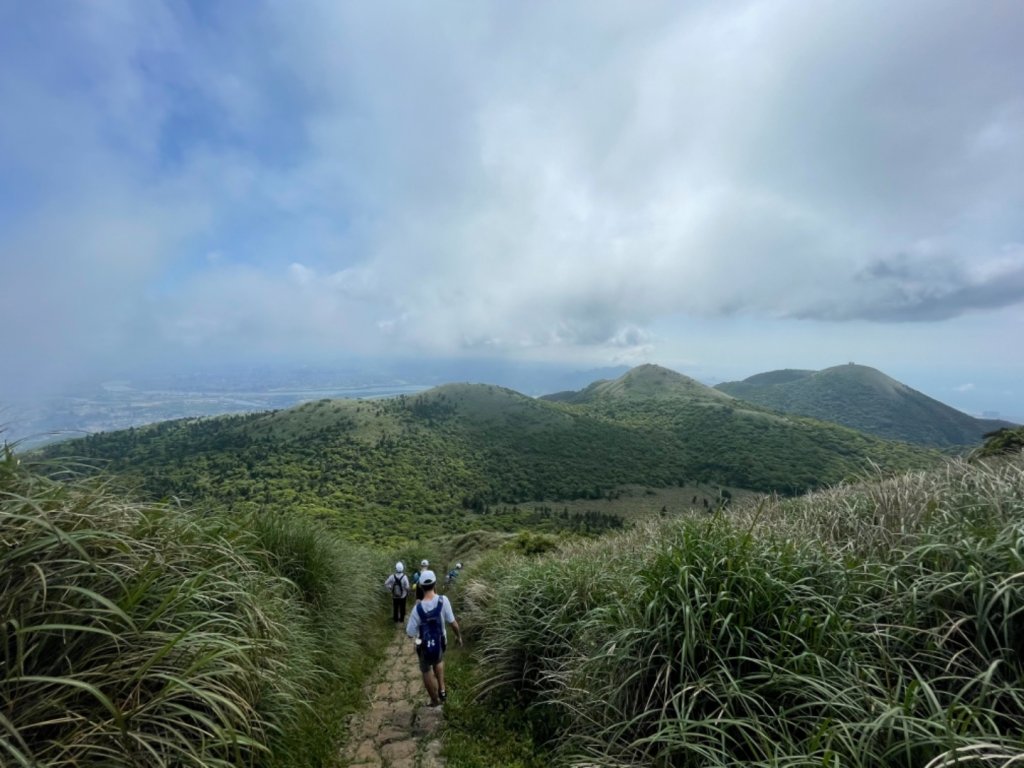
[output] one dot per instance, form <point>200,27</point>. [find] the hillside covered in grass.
<point>877,624</point>
<point>469,456</point>
<point>866,399</point>
<point>733,442</point>
<point>146,635</point>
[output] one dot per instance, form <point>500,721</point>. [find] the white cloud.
<point>539,179</point>
<point>699,165</point>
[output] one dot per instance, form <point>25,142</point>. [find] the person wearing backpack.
<point>427,625</point>
<point>398,585</point>
<point>453,574</point>
<point>424,566</point>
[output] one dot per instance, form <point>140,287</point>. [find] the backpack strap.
<point>439,609</point>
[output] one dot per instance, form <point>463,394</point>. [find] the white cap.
<point>458,566</point>
<point>424,563</point>
<point>427,578</point>
<point>399,567</point>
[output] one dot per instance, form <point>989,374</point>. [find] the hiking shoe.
<point>444,696</point>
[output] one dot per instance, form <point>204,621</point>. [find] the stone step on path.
<point>397,729</point>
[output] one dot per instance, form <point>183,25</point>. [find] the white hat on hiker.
<point>399,567</point>
<point>424,563</point>
<point>427,578</point>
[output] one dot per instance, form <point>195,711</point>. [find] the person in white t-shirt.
<point>432,610</point>
<point>398,585</point>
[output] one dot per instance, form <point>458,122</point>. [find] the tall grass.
<point>880,624</point>
<point>141,635</point>
<point>335,584</point>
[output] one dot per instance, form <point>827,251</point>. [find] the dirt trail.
<point>398,729</point>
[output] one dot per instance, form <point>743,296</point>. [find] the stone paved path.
<point>398,729</point>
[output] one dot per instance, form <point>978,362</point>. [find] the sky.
<point>722,188</point>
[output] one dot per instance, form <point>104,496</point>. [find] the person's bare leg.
<point>439,671</point>
<point>430,682</point>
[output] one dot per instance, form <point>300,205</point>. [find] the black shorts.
<point>424,666</point>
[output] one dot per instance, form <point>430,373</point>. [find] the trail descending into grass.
<point>397,729</point>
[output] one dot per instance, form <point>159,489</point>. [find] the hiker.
<point>398,585</point>
<point>453,574</point>
<point>418,578</point>
<point>427,624</point>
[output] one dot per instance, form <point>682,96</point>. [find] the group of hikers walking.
<point>427,623</point>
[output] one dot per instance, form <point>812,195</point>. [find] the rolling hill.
<point>641,383</point>
<point>865,399</point>
<point>731,441</point>
<point>449,456</point>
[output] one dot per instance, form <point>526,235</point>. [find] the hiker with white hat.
<point>427,624</point>
<point>398,585</point>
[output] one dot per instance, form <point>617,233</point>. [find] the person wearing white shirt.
<point>398,585</point>
<point>432,670</point>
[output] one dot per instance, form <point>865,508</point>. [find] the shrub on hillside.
<point>875,625</point>
<point>1001,442</point>
<point>140,635</point>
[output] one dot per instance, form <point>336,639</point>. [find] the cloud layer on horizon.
<point>492,179</point>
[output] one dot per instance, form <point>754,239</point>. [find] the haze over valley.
<point>723,191</point>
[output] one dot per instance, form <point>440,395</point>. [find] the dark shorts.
<point>424,666</point>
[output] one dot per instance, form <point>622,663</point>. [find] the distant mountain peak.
<point>643,381</point>
<point>863,398</point>
<point>652,370</point>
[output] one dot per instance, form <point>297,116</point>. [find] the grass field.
<point>149,635</point>
<point>635,503</point>
<point>879,623</point>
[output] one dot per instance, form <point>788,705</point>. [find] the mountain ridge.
<point>866,399</point>
<point>462,450</point>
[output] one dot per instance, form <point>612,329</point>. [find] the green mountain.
<point>641,383</point>
<point>726,440</point>
<point>867,400</point>
<point>457,456</point>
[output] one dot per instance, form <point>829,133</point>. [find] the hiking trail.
<point>397,729</point>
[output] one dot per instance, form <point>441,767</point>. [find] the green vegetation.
<point>145,635</point>
<point>641,383</point>
<point>732,443</point>
<point>1000,443</point>
<point>873,624</point>
<point>476,736</point>
<point>464,457</point>
<point>864,399</point>
<point>870,624</point>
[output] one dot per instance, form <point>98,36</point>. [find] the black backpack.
<point>397,589</point>
<point>431,631</point>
